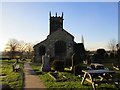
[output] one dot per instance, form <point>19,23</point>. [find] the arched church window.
<point>60,48</point>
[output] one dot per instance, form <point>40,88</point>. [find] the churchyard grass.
<point>108,63</point>
<point>13,79</point>
<point>72,82</point>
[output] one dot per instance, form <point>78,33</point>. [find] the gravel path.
<point>31,80</point>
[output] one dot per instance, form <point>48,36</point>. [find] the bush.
<point>116,55</point>
<point>78,69</point>
<point>58,65</point>
<point>101,53</point>
<point>118,51</point>
<point>112,55</point>
<point>106,55</point>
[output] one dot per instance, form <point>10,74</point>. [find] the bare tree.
<point>22,48</point>
<point>112,45</point>
<point>29,50</point>
<point>19,48</point>
<point>11,47</point>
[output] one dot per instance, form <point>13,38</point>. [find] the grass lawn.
<point>72,82</point>
<point>108,63</point>
<point>7,76</point>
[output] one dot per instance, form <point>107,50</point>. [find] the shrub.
<point>118,52</point>
<point>100,53</point>
<point>112,55</point>
<point>78,69</point>
<point>106,55</point>
<point>116,55</point>
<point>58,65</point>
<point>93,58</point>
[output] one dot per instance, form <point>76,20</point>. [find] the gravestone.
<point>45,62</point>
<point>77,58</point>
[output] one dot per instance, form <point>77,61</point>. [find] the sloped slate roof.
<point>52,35</point>
<point>39,43</point>
<point>64,31</point>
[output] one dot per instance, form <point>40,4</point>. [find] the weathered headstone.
<point>77,58</point>
<point>45,62</point>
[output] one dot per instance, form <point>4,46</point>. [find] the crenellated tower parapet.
<point>56,22</point>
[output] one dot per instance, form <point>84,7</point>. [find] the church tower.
<point>56,22</point>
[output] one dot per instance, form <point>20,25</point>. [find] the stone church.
<point>59,44</point>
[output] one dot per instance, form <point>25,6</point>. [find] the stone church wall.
<point>49,44</point>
